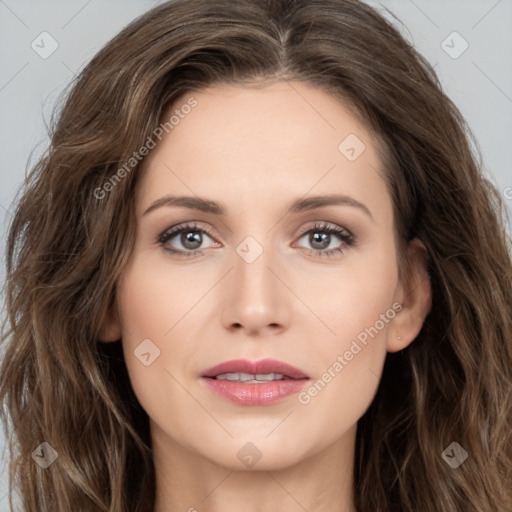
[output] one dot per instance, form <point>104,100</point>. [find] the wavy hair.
<point>67,246</point>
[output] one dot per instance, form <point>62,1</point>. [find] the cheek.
<point>356,309</point>
<point>351,298</point>
<point>152,303</point>
<point>349,365</point>
<point>154,296</point>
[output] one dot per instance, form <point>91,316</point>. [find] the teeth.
<point>248,377</point>
<point>269,376</point>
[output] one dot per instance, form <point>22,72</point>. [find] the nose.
<point>257,300</point>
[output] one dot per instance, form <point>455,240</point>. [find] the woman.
<point>172,344</point>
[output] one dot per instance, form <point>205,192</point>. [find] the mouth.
<point>262,382</point>
<point>257,378</point>
<point>243,370</point>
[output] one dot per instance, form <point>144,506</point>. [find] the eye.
<point>320,237</point>
<point>190,236</point>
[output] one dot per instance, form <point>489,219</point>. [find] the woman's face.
<point>299,267</point>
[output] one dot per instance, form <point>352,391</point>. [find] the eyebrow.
<point>297,206</point>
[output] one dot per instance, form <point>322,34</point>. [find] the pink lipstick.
<point>262,382</point>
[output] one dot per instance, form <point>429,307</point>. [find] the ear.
<point>111,328</point>
<point>415,296</point>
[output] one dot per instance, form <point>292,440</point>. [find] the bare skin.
<point>256,150</point>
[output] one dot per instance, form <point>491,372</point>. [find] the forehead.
<point>262,143</point>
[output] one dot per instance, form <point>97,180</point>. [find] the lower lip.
<point>255,394</point>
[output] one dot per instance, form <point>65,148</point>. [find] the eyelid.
<point>327,226</point>
<point>191,225</point>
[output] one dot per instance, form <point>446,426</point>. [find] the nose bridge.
<point>256,294</point>
<point>252,276</point>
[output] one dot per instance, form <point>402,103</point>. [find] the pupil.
<point>191,237</point>
<point>321,238</point>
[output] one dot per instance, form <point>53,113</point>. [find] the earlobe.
<point>111,328</point>
<point>415,296</point>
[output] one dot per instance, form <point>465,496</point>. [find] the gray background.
<point>479,80</point>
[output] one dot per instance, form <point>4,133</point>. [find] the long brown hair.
<point>67,246</point>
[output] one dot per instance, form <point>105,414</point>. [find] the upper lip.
<point>254,368</point>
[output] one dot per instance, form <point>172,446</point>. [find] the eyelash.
<point>345,236</point>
